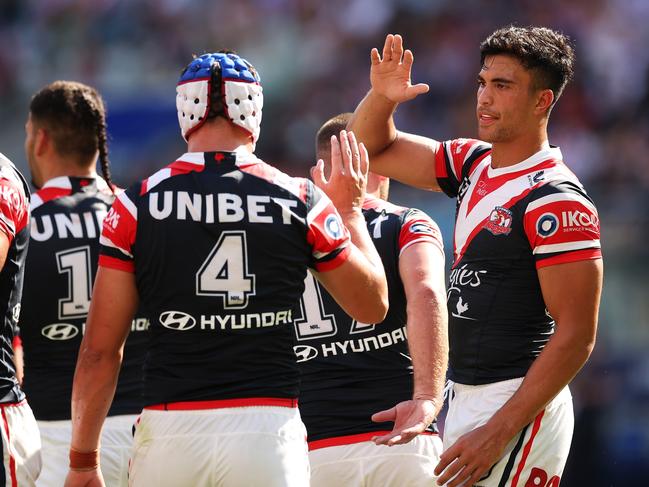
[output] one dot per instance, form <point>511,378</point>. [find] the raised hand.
<point>348,179</point>
<point>410,419</point>
<point>390,73</point>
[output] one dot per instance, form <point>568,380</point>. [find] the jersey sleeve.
<point>454,160</point>
<point>418,227</point>
<point>118,234</point>
<point>14,208</point>
<point>562,227</point>
<point>326,233</point>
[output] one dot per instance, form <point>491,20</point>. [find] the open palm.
<point>390,72</point>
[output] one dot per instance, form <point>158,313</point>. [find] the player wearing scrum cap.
<point>216,246</point>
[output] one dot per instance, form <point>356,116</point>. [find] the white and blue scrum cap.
<point>219,84</point>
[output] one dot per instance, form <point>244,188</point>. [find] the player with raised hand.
<point>350,369</point>
<point>216,246</point>
<point>525,285</point>
<point>65,138</point>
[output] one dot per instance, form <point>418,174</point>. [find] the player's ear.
<point>42,141</point>
<point>544,101</point>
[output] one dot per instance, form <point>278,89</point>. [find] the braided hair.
<point>75,117</point>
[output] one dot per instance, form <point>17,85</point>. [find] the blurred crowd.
<point>313,57</point>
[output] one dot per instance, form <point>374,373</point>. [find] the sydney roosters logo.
<point>500,221</point>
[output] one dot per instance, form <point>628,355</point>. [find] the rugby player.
<point>351,370</point>
<point>216,246</point>
<point>21,443</point>
<point>66,135</point>
<point>524,290</point>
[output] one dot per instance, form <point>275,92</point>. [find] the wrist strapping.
<point>83,461</point>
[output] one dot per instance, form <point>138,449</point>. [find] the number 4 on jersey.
<point>225,271</point>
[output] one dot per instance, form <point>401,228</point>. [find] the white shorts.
<point>534,457</point>
<point>231,446</point>
<point>21,446</point>
<point>116,442</point>
<point>364,464</point>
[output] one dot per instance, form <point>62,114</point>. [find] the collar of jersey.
<point>243,158</point>
<point>553,153</point>
<point>65,182</point>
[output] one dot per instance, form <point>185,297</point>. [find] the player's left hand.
<point>410,419</point>
<point>471,456</point>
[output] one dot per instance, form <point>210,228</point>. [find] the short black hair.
<point>74,114</point>
<point>548,54</point>
<point>333,126</point>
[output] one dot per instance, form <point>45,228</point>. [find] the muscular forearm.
<point>561,359</point>
<point>355,223</point>
<point>428,344</point>
<point>95,380</point>
<point>372,123</point>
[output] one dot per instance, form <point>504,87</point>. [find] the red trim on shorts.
<point>12,404</point>
<point>282,402</point>
<point>351,439</point>
<point>528,447</point>
<point>12,460</point>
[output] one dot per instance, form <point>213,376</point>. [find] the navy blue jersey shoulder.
<point>351,370</point>
<point>219,244</point>
<point>67,216</point>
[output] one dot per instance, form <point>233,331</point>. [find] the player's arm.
<point>112,308</point>
<point>358,285</point>
<point>571,292</point>
<point>406,157</point>
<point>421,267</point>
<point>17,345</point>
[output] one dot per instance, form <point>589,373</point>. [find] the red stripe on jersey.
<point>184,167</point>
<point>120,226</point>
<point>419,230</point>
<point>486,185</point>
<point>574,256</point>
<point>351,439</point>
<point>17,342</point>
<point>258,168</point>
<point>337,261</point>
<point>48,194</point>
<point>477,161</point>
<point>528,447</point>
<point>281,402</point>
<point>440,162</point>
<point>115,263</point>
<point>12,460</point>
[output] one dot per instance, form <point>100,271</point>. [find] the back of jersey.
<point>14,223</point>
<point>67,215</point>
<point>220,243</point>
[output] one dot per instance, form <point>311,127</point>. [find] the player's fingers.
<point>476,475</point>
<point>346,152</point>
<point>374,56</point>
<point>317,174</point>
<point>408,59</point>
<point>385,415</point>
<point>446,458</point>
<point>365,160</point>
<point>397,48</point>
<point>356,156</point>
<point>450,472</point>
<point>386,439</point>
<point>418,89</point>
<point>336,157</point>
<point>387,47</point>
<point>461,477</point>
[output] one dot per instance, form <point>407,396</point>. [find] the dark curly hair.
<point>546,53</point>
<point>75,117</point>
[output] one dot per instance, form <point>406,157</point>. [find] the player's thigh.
<point>537,456</point>
<point>116,444</point>
<point>21,444</point>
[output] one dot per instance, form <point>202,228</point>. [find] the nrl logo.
<point>500,221</point>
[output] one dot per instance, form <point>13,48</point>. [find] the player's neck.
<point>220,135</point>
<point>508,153</point>
<point>61,169</point>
